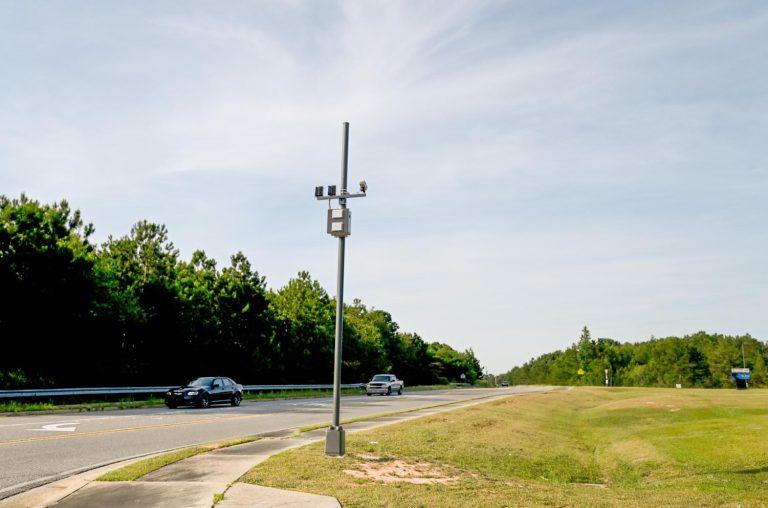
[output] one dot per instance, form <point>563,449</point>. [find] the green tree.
<point>373,330</point>
<point>449,364</point>
<point>132,311</point>
<point>305,328</point>
<point>700,359</point>
<point>759,371</point>
<point>585,348</point>
<point>48,286</point>
<point>245,322</point>
<point>725,355</point>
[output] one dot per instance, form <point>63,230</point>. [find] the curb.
<point>51,489</point>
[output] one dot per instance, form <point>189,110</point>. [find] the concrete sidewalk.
<point>193,482</point>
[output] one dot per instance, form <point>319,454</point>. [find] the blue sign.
<point>741,375</point>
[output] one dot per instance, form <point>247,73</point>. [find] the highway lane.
<point>40,448</point>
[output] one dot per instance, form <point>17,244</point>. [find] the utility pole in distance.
<point>340,226</point>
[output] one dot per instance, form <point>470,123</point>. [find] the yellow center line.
<point>126,429</point>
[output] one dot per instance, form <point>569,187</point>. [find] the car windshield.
<point>202,381</point>
<point>381,378</point>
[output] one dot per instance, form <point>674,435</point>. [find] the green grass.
<point>218,497</point>
<point>25,407</point>
<point>583,447</point>
<point>142,467</point>
<point>20,407</point>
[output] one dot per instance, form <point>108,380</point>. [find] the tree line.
<point>701,360</point>
<point>132,311</point>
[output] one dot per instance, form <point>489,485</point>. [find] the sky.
<point>533,167</point>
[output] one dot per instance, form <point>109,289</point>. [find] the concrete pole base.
<point>334,441</point>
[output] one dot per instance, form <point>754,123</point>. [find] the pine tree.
<point>759,371</point>
<point>585,348</point>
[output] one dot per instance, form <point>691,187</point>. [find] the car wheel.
<point>400,391</point>
<point>171,406</point>
<point>204,402</point>
<point>237,399</point>
<point>369,394</point>
<point>389,391</point>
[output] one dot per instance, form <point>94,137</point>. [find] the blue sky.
<point>534,167</point>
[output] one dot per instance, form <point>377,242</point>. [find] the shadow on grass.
<point>754,470</point>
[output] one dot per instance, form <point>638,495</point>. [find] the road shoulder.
<point>192,480</point>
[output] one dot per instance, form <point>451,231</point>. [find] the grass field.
<point>583,447</point>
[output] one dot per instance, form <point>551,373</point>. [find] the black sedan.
<point>204,391</point>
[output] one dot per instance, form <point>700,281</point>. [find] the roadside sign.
<point>740,373</point>
<point>580,372</point>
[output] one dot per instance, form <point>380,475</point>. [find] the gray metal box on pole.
<point>339,222</point>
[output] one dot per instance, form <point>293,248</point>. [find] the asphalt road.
<point>42,448</point>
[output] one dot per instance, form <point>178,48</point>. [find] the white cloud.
<point>532,168</point>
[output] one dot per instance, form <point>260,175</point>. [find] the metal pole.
<point>340,284</point>
<point>334,439</point>
<point>339,337</point>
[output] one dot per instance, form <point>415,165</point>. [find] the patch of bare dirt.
<point>373,458</point>
<point>390,470</point>
<point>484,423</point>
<point>672,402</point>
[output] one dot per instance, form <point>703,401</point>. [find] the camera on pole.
<point>339,225</point>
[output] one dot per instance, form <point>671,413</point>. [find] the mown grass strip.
<point>143,467</point>
<point>581,447</point>
<point>16,407</point>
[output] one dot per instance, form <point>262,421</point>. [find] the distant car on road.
<point>384,384</point>
<point>504,384</point>
<point>204,391</point>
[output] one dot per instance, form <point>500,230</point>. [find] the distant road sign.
<point>740,373</point>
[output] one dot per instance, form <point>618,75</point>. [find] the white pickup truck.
<point>384,384</point>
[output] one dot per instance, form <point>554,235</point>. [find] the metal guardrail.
<point>139,390</point>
